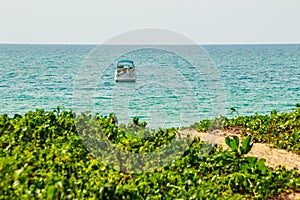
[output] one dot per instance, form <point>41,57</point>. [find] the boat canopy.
<point>125,64</point>
<point>125,61</point>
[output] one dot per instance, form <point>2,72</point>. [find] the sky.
<point>96,21</point>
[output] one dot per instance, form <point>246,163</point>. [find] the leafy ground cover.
<point>42,156</point>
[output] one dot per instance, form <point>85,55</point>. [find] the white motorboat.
<point>125,71</point>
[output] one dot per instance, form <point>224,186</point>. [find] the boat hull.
<point>125,77</point>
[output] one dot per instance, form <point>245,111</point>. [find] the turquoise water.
<point>255,78</point>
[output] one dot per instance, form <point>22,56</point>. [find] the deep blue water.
<point>169,87</point>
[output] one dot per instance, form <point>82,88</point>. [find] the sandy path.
<point>274,157</point>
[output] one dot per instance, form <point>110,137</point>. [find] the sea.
<point>176,85</point>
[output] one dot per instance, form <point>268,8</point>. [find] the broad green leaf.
<point>261,162</point>
<point>246,146</point>
<point>236,139</point>
<point>233,146</point>
<point>227,141</point>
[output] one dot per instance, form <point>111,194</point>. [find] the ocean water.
<point>176,86</point>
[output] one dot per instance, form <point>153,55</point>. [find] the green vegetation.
<point>42,156</point>
<point>281,130</point>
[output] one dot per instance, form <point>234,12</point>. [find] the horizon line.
<point>95,44</point>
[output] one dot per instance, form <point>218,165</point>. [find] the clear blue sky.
<point>204,21</point>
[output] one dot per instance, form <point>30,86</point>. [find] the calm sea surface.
<point>171,90</point>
